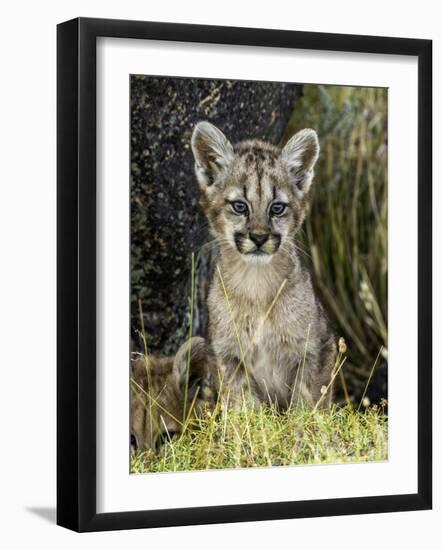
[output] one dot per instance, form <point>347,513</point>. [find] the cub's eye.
<point>239,207</point>
<point>278,208</point>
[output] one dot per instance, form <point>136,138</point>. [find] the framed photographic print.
<point>244,274</point>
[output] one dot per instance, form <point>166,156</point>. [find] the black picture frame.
<point>76,273</point>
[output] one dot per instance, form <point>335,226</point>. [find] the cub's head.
<point>254,195</point>
<point>163,390</point>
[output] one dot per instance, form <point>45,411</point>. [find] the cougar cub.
<point>162,386</point>
<point>268,330</point>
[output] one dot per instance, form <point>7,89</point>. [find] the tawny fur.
<point>267,328</point>
<point>159,395</point>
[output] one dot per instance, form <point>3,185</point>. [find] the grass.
<point>345,239</point>
<point>345,234</point>
<point>248,437</point>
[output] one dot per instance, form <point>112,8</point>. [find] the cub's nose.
<point>259,239</point>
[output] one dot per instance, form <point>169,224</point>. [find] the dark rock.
<point>167,224</point>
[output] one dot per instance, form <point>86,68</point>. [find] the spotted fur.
<point>269,332</point>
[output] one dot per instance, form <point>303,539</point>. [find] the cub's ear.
<point>212,152</point>
<point>300,155</point>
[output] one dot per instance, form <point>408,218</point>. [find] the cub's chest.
<point>256,332</point>
<point>263,336</point>
<point>271,357</point>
